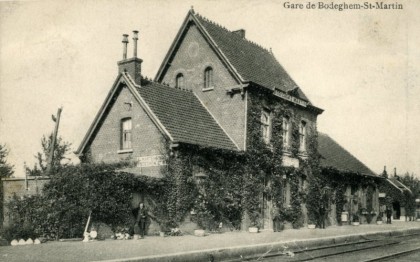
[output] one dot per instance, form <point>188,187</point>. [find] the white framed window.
<point>179,81</point>
<point>126,137</point>
<point>286,132</point>
<point>208,78</point>
<point>302,136</point>
<point>266,126</point>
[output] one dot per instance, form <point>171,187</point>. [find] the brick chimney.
<point>240,32</point>
<point>385,174</point>
<point>131,65</point>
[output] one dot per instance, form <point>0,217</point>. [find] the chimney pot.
<point>135,38</point>
<point>125,42</point>
<point>384,173</point>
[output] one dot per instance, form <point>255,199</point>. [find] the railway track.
<point>365,250</point>
<point>394,255</point>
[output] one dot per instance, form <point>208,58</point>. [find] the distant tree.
<point>412,182</point>
<point>6,170</point>
<point>61,149</point>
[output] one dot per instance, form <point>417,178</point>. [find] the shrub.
<point>17,231</point>
<point>63,208</point>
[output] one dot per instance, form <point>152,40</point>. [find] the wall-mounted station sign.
<point>290,98</point>
<point>148,161</point>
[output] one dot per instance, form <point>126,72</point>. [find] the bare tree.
<point>61,149</point>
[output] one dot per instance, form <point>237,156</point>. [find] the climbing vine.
<point>266,160</point>
<point>235,183</point>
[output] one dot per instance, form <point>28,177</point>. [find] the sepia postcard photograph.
<point>210,130</point>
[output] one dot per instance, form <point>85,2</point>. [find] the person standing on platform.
<point>275,215</point>
<point>141,215</point>
<point>322,215</point>
<point>388,215</point>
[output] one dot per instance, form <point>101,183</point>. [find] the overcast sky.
<point>361,66</point>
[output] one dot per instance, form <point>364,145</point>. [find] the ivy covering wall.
<point>364,186</point>
<point>405,198</point>
<point>61,211</point>
<point>265,161</point>
<point>235,182</point>
<point>209,185</point>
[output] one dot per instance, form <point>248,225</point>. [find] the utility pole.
<point>54,138</point>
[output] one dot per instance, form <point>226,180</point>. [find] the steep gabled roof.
<point>335,156</point>
<point>247,61</point>
<point>177,113</point>
<point>253,62</point>
<point>183,115</point>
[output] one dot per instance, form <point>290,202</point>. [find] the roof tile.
<point>334,155</point>
<point>183,115</point>
<point>253,62</point>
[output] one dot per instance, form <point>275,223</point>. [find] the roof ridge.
<point>232,32</point>
<point>150,80</point>
<point>166,85</point>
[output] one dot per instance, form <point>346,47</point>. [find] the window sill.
<point>287,151</point>
<point>303,154</point>
<point>269,145</point>
<point>207,89</point>
<point>125,151</point>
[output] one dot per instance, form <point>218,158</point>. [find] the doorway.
<point>266,212</point>
<point>397,210</point>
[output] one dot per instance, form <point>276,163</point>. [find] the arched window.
<point>208,78</point>
<point>126,126</point>
<point>179,81</point>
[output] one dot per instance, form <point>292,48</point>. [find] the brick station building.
<point>358,195</point>
<point>396,196</point>
<point>202,95</point>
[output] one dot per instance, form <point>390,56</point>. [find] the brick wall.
<point>191,59</point>
<point>132,66</point>
<point>20,187</point>
<point>147,140</point>
<point>302,114</point>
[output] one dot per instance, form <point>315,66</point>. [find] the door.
<point>266,212</point>
<point>397,210</point>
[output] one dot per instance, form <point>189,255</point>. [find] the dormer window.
<point>126,138</point>
<point>179,81</point>
<point>286,133</point>
<point>208,78</point>
<point>302,136</point>
<point>266,126</point>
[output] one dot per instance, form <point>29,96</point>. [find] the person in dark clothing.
<point>322,216</point>
<point>141,215</point>
<point>275,214</point>
<point>388,215</point>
